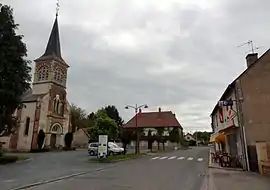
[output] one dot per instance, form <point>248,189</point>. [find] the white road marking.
<point>190,158</point>
<point>181,158</point>
<point>8,181</point>
<point>200,159</point>
<point>155,158</point>
<point>173,157</point>
<point>162,158</point>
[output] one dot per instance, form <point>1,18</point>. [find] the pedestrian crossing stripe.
<point>175,157</point>
<point>162,158</point>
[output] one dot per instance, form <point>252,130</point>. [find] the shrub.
<point>41,137</point>
<point>40,150</point>
<point>68,139</point>
<point>8,159</point>
<point>69,149</point>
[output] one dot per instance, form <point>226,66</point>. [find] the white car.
<point>114,149</point>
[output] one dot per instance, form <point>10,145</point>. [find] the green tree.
<point>103,125</point>
<point>113,113</point>
<point>78,117</point>
<point>174,135</point>
<point>126,135</point>
<point>160,132</point>
<point>203,137</point>
<point>14,70</point>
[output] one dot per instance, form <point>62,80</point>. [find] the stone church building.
<point>45,105</point>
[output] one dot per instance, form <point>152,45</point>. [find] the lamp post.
<point>136,108</point>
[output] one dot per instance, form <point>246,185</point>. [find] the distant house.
<point>151,123</point>
<point>189,137</point>
<point>81,138</point>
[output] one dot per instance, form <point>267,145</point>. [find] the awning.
<point>217,137</point>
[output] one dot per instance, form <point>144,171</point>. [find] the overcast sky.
<point>179,55</point>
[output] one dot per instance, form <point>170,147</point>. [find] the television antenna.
<point>251,46</point>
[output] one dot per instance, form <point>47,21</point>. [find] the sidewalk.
<point>217,166</point>
<point>236,180</point>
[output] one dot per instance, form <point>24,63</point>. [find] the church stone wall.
<point>24,141</point>
<point>43,121</point>
<point>41,88</point>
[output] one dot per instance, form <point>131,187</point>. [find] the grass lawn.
<point>5,159</point>
<point>115,158</point>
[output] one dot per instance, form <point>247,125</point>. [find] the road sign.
<point>102,146</point>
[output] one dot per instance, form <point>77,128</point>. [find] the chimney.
<point>251,58</point>
<point>159,109</point>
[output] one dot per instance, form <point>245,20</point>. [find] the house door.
<point>53,141</point>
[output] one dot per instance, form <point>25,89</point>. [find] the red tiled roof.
<point>154,119</point>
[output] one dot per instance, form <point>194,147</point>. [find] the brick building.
<point>237,128</point>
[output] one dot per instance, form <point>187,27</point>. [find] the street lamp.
<point>136,108</point>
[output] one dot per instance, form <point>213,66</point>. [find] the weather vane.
<point>57,7</point>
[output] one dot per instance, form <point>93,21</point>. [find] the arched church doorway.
<point>56,132</point>
<point>53,141</point>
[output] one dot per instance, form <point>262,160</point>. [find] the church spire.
<point>53,49</point>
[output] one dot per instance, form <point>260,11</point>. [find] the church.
<point>45,105</point>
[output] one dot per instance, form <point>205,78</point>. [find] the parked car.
<point>93,149</point>
<point>113,149</point>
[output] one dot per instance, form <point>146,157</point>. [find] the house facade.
<point>250,94</point>
<point>81,138</point>
<point>189,137</point>
<point>154,124</point>
<point>45,105</point>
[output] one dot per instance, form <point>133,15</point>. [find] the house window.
<point>27,124</point>
<point>43,74</point>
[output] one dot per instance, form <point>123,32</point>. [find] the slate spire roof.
<point>53,49</point>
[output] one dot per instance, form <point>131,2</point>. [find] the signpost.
<point>102,146</point>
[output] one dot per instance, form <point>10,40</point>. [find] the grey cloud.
<point>198,44</point>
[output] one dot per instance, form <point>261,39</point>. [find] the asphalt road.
<point>45,166</point>
<point>183,169</point>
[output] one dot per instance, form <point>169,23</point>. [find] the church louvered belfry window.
<point>59,76</point>
<point>43,74</point>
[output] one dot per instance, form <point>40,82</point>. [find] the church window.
<point>27,125</point>
<point>43,74</point>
